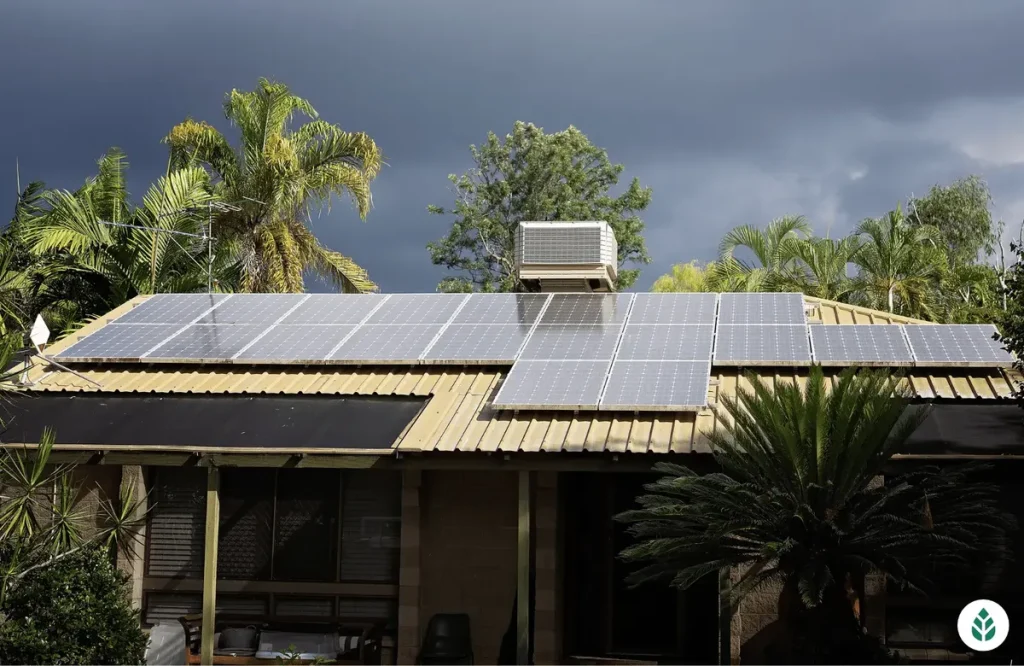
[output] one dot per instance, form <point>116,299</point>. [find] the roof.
<point>459,417</point>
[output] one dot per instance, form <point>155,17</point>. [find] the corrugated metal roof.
<point>459,416</point>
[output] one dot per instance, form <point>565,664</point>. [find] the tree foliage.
<point>277,175</point>
<point>77,611</point>
<point>931,262</point>
<point>532,176</point>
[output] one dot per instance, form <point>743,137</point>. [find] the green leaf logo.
<point>984,627</point>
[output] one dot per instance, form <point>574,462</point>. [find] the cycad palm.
<point>274,176</point>
<point>899,264</point>
<point>774,249</point>
<point>796,501</point>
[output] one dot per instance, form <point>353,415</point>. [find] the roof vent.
<point>567,256</point>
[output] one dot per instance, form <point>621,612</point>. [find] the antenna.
<point>209,207</point>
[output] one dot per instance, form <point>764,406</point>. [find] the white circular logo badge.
<point>983,625</point>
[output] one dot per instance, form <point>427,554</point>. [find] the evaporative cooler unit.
<point>567,256</point>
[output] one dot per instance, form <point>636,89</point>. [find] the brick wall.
<point>468,535</point>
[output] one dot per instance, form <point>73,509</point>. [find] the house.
<point>396,490</point>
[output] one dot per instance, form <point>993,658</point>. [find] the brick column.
<point>132,560</point>
<point>409,570</point>
<point>547,619</point>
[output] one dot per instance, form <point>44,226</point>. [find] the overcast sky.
<point>734,112</point>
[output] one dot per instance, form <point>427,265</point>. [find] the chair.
<point>447,640</point>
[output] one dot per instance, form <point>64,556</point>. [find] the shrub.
<point>75,610</point>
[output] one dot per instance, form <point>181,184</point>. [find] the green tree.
<point>1011,319</point>
<point>82,267</point>
<point>533,176</point>
<point>960,212</point>
<point>689,277</point>
<point>76,611</point>
<point>276,176</point>
<point>796,503</point>
<point>900,265</point>
<point>774,251</point>
<point>822,267</point>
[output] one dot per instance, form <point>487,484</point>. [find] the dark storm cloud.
<point>735,112</point>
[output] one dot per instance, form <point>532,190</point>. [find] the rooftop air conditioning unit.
<point>567,256</point>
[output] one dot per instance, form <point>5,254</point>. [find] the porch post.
<point>523,571</point>
<point>210,563</point>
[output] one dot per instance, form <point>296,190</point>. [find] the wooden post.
<point>210,563</point>
<point>523,571</point>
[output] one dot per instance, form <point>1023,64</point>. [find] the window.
<point>277,526</point>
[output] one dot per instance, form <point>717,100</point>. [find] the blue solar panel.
<point>180,309</point>
<point>501,309</point>
<point>419,309</point>
<point>553,385</point>
<point>673,309</point>
<point>761,309</point>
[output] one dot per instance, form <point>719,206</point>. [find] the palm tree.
<point>822,267</point>
<point>774,249</point>
<point>899,265</point>
<point>84,267</point>
<point>275,176</point>
<point>796,501</point>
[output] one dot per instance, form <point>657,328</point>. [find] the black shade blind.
<point>371,529</point>
<point>305,543</point>
<point>177,522</point>
<point>246,523</point>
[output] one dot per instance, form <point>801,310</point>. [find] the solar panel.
<point>206,343</point>
<point>762,345</point>
<point>119,342</point>
<point>673,309</point>
<point>553,385</point>
<point>295,344</point>
<point>863,344</point>
<point>377,343</point>
<point>417,309</point>
<point>757,308</point>
<point>657,385</point>
<point>478,343</point>
<point>252,309</point>
<point>550,342</point>
<point>645,342</point>
<point>956,344</point>
<point>501,309</point>
<point>178,309</point>
<point>334,309</point>
<point>586,309</point>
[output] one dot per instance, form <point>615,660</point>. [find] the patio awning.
<point>211,423</point>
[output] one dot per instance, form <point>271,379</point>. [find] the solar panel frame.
<point>778,334</point>
<point>417,309</point>
<point>226,340</point>
<point>666,342</point>
<point>587,309</point>
<point>656,386</point>
<point>839,345</point>
<point>988,353</point>
<point>252,309</point>
<point>761,309</point>
<point>119,338</point>
<point>335,309</point>
<point>180,309</point>
<point>405,342</point>
<point>511,309</point>
<point>673,309</point>
<point>477,344</point>
<point>562,342</point>
<point>267,348</point>
<point>553,385</point>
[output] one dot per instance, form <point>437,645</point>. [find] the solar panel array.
<point>567,351</point>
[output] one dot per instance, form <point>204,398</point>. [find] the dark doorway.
<point>605,617</point>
